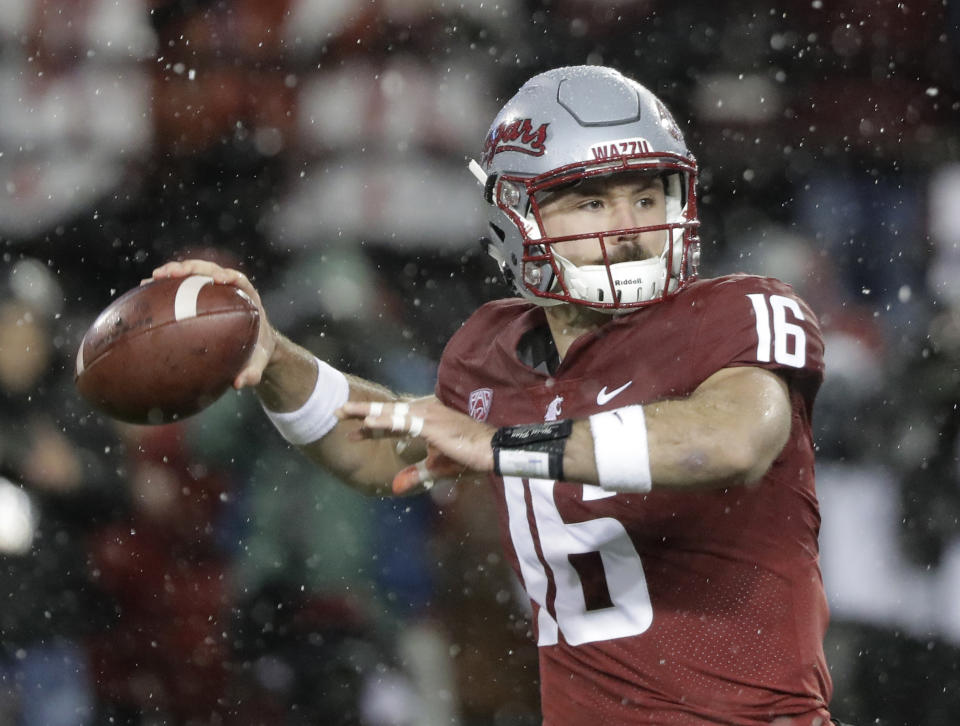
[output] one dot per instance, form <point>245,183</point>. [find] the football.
<point>167,349</point>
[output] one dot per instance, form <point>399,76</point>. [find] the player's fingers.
<point>249,376</point>
<point>379,416</point>
<point>251,373</point>
<point>175,268</point>
<point>220,275</point>
<point>424,474</point>
<point>414,477</point>
<point>393,418</point>
<point>402,421</point>
<point>352,409</point>
<point>182,268</point>
<point>360,412</point>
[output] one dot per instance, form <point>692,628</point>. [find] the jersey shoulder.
<point>756,320</point>
<point>489,322</point>
<point>478,353</point>
<point>738,284</point>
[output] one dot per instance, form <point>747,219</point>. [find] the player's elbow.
<point>747,460</point>
<point>749,465</point>
<point>731,464</point>
<point>720,468</point>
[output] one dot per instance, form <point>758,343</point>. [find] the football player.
<point>646,433</point>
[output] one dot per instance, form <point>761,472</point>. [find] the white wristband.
<point>620,449</point>
<point>531,464</point>
<point>315,418</point>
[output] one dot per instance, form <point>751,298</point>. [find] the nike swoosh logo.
<point>603,396</point>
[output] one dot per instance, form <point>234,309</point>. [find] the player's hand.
<point>456,444</point>
<point>266,339</point>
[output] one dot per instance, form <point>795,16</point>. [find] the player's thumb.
<point>252,373</point>
<point>413,477</point>
<point>425,473</point>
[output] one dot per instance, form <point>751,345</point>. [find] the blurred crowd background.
<point>202,573</point>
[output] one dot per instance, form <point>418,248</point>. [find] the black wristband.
<point>531,450</point>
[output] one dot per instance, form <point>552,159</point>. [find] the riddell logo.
<point>519,135</point>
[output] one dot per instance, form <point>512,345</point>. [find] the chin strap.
<point>487,181</point>
<point>478,172</point>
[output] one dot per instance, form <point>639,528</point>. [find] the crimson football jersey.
<point>667,607</point>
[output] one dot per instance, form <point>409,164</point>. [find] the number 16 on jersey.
<point>605,554</point>
<point>785,340</point>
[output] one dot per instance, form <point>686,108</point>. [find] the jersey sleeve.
<point>465,355</point>
<point>447,390</point>
<point>759,321</point>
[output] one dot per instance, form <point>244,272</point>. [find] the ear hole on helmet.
<point>499,232</point>
<point>488,185</point>
<point>509,195</point>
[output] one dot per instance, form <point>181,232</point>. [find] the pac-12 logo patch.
<point>479,404</point>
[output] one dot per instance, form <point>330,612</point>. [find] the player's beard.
<point>579,316</point>
<point>629,251</point>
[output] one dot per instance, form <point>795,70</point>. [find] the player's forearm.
<point>674,461</point>
<point>368,464</point>
<point>289,378</point>
<point>723,435</point>
<point>579,460</point>
<point>692,446</point>
<point>729,432</point>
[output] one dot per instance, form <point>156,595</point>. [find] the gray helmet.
<point>561,127</point>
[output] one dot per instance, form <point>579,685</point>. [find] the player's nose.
<point>623,216</point>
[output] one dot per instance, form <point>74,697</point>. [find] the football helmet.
<point>564,126</point>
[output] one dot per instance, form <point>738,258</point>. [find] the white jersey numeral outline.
<point>631,612</point>
<point>781,332</point>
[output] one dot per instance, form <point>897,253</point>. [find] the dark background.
<point>202,573</point>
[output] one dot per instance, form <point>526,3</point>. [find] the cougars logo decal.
<point>519,135</point>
